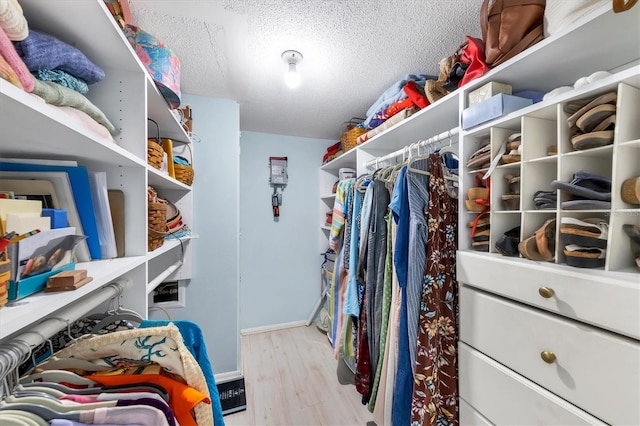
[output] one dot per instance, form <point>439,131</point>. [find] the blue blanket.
<point>42,51</point>
<point>194,341</point>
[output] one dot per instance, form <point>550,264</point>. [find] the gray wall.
<point>279,261</point>
<point>212,295</point>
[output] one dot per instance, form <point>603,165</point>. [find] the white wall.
<point>212,294</point>
<point>279,261</point>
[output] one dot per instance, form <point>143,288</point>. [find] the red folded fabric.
<point>398,106</point>
<point>473,54</point>
<point>416,94</point>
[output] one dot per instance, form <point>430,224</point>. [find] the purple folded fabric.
<point>42,51</point>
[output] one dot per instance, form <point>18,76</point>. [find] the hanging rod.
<point>403,151</point>
<point>43,331</point>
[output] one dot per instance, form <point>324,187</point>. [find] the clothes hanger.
<point>57,376</point>
<point>22,418</point>
<point>15,417</point>
<point>118,314</point>
<point>56,404</point>
<point>45,413</point>
<point>137,387</point>
<point>42,389</point>
<point>420,156</point>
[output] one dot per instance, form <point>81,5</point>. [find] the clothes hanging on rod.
<point>405,151</point>
<point>164,361</point>
<point>394,255</point>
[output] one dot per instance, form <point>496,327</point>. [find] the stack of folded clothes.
<point>480,159</point>
<point>333,152</point>
<point>592,121</point>
<point>59,74</point>
<point>589,191</point>
<point>585,241</point>
<point>545,200</point>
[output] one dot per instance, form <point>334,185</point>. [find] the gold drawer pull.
<point>548,357</point>
<point>546,292</point>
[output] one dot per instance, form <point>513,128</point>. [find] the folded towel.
<point>42,51</point>
<point>7,73</point>
<point>62,78</point>
<point>10,55</point>
<point>12,20</point>
<point>58,95</point>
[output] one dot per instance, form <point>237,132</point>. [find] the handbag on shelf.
<point>510,27</point>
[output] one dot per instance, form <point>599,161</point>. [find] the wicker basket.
<point>157,223</point>
<point>155,153</point>
<point>185,173</point>
<point>349,137</point>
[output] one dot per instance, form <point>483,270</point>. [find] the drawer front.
<point>497,395</point>
<point>470,417</point>
<point>598,371</point>
<point>588,296</point>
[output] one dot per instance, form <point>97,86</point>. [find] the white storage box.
<point>488,90</point>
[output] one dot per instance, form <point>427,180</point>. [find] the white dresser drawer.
<point>589,296</point>
<point>596,370</point>
<point>469,416</point>
<point>493,394</point>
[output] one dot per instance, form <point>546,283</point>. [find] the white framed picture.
<point>169,294</point>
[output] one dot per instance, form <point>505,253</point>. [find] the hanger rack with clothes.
<point>18,349</point>
<point>449,134</point>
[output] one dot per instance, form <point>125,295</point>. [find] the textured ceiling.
<point>353,50</point>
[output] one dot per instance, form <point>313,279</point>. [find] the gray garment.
<point>365,217</point>
<point>418,203</point>
<point>376,257</point>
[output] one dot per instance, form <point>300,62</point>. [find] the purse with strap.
<point>510,27</point>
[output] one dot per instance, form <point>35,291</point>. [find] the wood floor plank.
<point>290,379</point>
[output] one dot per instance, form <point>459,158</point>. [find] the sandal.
<point>541,245</point>
<point>592,118</point>
<point>585,257</point>
<point>633,232</point>
<point>582,141</point>
<point>587,185</point>
<point>507,245</point>
<point>630,192</point>
<point>591,232</point>
<point>582,108</point>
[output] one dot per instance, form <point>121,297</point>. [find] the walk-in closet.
<point>319,212</point>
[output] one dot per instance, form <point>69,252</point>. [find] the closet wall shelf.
<point>595,30</point>
<point>437,117</point>
<point>546,108</point>
<point>95,20</point>
<point>348,159</point>
<point>30,310</point>
<point>159,111</point>
<point>43,140</point>
<point>632,144</point>
<point>161,180</point>
<point>168,245</point>
<point>163,276</point>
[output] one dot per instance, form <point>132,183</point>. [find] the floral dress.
<point>435,391</point>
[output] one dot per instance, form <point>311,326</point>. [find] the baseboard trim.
<point>274,327</point>
<point>229,375</point>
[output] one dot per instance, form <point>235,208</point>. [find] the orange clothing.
<point>182,398</point>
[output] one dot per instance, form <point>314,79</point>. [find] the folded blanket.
<point>12,20</point>
<point>8,52</point>
<point>58,95</point>
<point>42,51</point>
<point>7,73</point>
<point>384,126</point>
<point>62,78</point>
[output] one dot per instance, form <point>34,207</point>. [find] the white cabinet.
<point>127,96</point>
<point>513,309</point>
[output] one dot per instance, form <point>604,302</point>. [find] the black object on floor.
<point>233,397</point>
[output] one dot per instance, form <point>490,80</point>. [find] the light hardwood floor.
<point>290,379</point>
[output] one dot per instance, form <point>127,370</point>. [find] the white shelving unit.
<point>127,96</point>
<point>508,315</point>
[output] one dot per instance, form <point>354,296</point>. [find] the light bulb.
<point>292,78</point>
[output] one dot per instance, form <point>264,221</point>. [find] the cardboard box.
<point>492,108</point>
<point>487,91</point>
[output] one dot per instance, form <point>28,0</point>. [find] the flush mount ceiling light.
<point>292,58</point>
